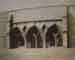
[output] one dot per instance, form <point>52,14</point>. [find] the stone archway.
<point>53,37</point>
<point>16,38</point>
<point>33,37</point>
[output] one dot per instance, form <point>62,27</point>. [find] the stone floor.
<point>37,54</point>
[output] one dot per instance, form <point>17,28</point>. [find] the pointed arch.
<point>16,38</point>
<point>33,37</point>
<point>50,38</point>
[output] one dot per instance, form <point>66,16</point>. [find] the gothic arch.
<point>50,39</point>
<point>33,37</point>
<point>16,38</point>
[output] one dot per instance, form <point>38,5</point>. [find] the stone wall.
<point>48,13</point>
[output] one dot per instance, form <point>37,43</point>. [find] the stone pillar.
<point>3,28</point>
<point>72,26</point>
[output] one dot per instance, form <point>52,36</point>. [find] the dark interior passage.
<point>16,38</point>
<point>34,38</point>
<point>51,40</point>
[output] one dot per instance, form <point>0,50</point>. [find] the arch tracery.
<point>53,36</point>
<point>36,34</point>
<point>33,37</point>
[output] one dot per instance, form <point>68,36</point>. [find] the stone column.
<point>3,29</point>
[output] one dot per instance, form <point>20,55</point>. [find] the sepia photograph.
<point>37,30</point>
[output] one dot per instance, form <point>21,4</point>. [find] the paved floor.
<point>38,54</point>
